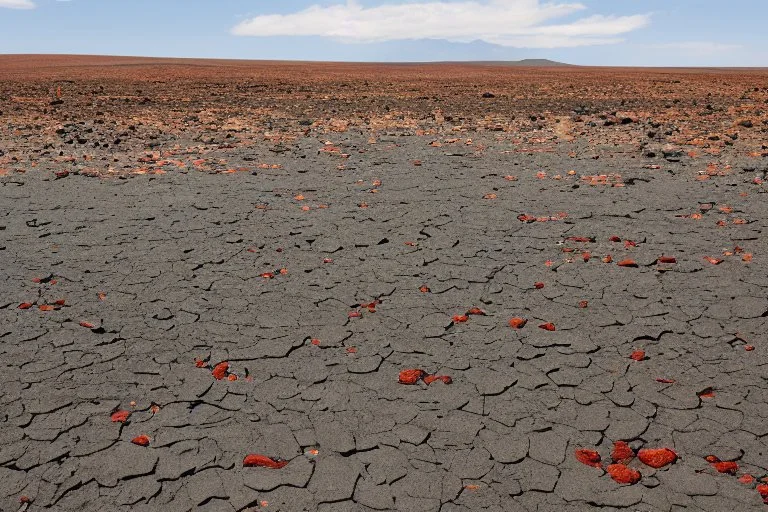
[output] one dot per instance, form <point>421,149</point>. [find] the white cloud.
<point>17,4</point>
<point>515,23</point>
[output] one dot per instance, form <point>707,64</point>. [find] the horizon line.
<point>554,63</point>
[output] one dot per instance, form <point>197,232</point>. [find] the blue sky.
<point>589,32</point>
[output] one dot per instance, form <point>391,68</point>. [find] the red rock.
<point>459,319</point>
<point>517,323</point>
<point>538,285</point>
<point>220,370</point>
<point>199,363</point>
<point>728,467</point>
<point>622,452</point>
<point>667,259</point>
<point>549,326</point>
<point>583,304</point>
<point>746,479</point>
<point>657,457</point>
<point>666,381</point>
<point>627,263</point>
<point>411,376</point>
<point>25,305</point>
<point>623,474</point>
<point>615,239</point>
<point>262,461</point>
<point>637,355</point>
<point>476,311</point>
<point>429,379</point>
<point>588,457</point>
<point>120,416</point>
<point>141,440</point>
<point>87,325</point>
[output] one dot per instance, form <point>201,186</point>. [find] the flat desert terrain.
<point>284,286</point>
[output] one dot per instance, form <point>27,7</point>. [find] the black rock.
<point>746,123</point>
<point>488,95</point>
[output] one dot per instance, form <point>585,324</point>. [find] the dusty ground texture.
<point>321,228</point>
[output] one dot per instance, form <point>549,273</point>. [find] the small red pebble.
<point>24,499</point>
<point>476,311</point>
<point>615,239</point>
<point>746,479</point>
<point>199,363</point>
<point>749,348</point>
<point>354,314</point>
<point>667,259</point>
<point>517,323</point>
<point>87,325</point>
<point>267,275</point>
<point>459,319</point>
<point>25,305</point>
<point>627,263</point>
<point>315,342</point>
<point>585,256</point>
<point>141,440</point>
<point>666,381</point>
<point>629,243</point>
<point>37,280</point>
<point>763,490</point>
<point>429,379</point>
<point>623,474</point>
<point>411,377</point>
<point>622,452</point>
<point>220,371</point>
<point>583,304</point>
<point>425,289</point>
<point>706,393</point>
<point>232,377</point>
<point>727,467</point>
<point>549,326</point>
<point>538,285</point>
<point>120,416</point>
<point>657,457</point>
<point>607,259</point>
<point>351,350</point>
<point>262,461</point>
<point>327,260</point>
<point>637,355</point>
<point>588,457</point>
<point>45,307</point>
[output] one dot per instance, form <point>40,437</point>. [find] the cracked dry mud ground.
<point>157,271</point>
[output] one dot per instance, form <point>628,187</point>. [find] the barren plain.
<point>232,285</point>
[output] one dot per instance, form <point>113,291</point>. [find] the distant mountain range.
<point>513,63</point>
